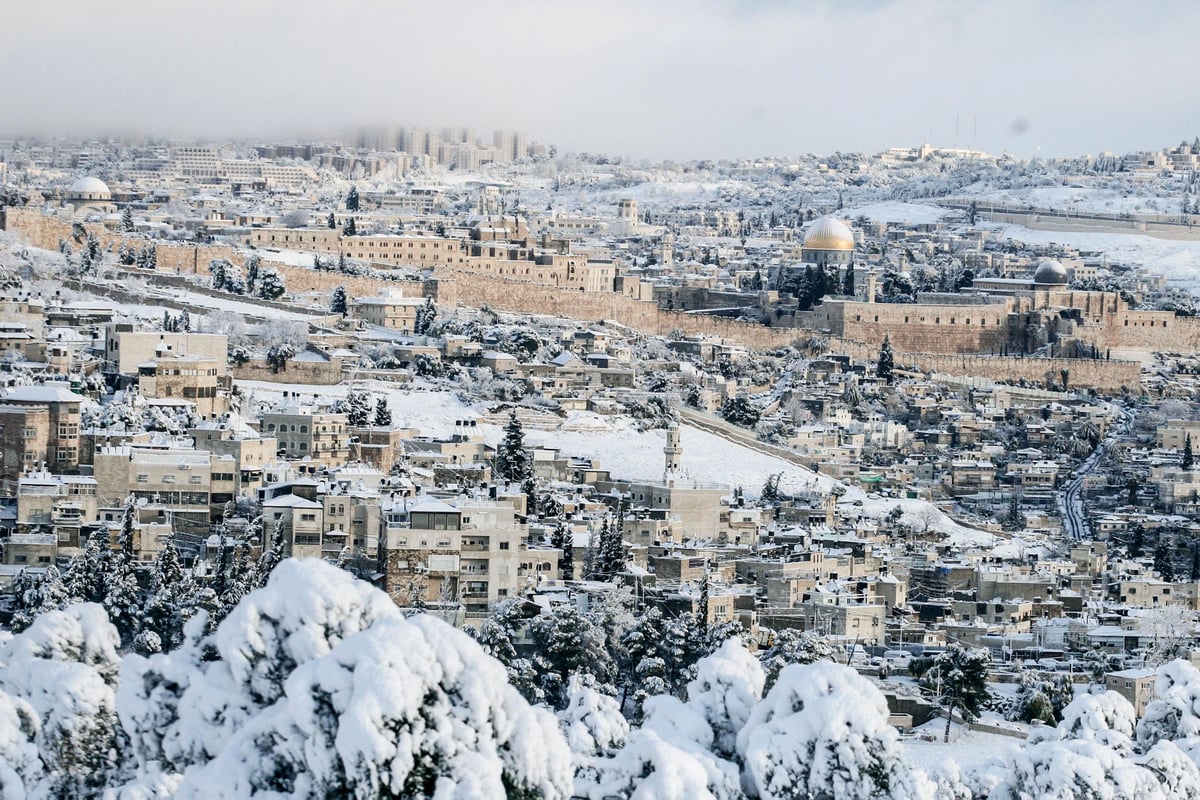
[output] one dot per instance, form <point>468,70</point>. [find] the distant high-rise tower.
<point>673,451</point>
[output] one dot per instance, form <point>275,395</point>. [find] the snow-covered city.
<point>447,423</point>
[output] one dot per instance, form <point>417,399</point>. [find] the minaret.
<point>674,452</point>
<point>871,285</point>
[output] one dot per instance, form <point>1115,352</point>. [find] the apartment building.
<point>468,550</point>
<point>62,506</point>
<point>200,380</point>
<point>298,521</point>
<point>125,349</point>
<point>173,485</point>
<point>304,431</point>
<point>250,451</point>
<point>24,440</point>
<point>63,405</point>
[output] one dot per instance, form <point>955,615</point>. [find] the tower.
<point>871,280</point>
<point>673,452</point>
<point>627,210</point>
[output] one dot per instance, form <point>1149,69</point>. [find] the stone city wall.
<point>915,328</point>
<point>528,298</point>
<point>320,373</point>
<point>1100,374</point>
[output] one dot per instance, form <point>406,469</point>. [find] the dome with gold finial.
<point>829,233</point>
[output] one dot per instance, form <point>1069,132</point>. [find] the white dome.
<point>829,233</point>
<point>1051,272</point>
<point>90,186</point>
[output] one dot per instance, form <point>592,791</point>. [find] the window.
<point>504,545</point>
<point>143,478</point>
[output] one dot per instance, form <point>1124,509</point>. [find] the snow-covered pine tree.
<point>566,642</point>
<point>960,676</point>
<point>337,303</point>
<point>270,285</point>
<point>792,646</point>
<point>60,675</point>
<point>357,408</point>
<point>219,268</point>
<point>426,315</point>
<point>612,558</point>
<point>383,415</point>
<point>513,461</point>
<point>122,595</point>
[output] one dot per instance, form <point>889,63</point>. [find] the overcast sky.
<point>675,79</point>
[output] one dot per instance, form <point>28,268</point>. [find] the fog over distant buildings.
<point>704,79</point>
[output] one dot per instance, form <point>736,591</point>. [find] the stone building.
<point>63,506</point>
<point>390,310</point>
<point>470,551</point>
<point>201,380</point>
<point>304,431</point>
<point>24,439</point>
<point>62,445</point>
<point>90,195</point>
<point>125,348</point>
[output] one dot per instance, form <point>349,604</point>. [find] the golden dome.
<point>829,233</point>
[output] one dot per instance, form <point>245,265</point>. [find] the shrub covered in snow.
<point>317,686</point>
<point>822,730</point>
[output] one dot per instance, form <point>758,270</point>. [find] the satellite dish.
<point>141,502</point>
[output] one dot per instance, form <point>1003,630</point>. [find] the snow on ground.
<point>630,454</point>
<point>912,213</point>
<point>969,749</point>
<point>244,307</point>
<point>1178,260</point>
<point>433,413</point>
<point>1084,199</point>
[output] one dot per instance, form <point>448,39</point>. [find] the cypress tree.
<point>560,539</point>
<point>1164,560</point>
<point>887,360</point>
<point>512,458</point>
